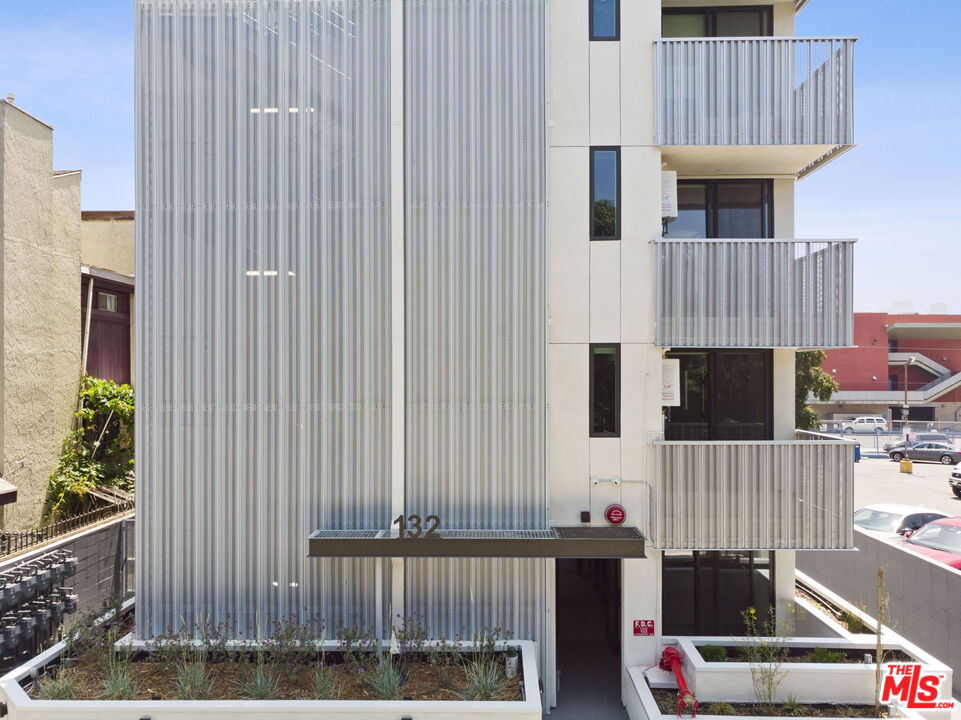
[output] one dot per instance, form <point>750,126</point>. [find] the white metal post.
<point>398,293</point>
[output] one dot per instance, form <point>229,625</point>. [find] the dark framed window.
<point>605,19</point>
<point>724,209</point>
<point>735,21</point>
<point>726,394</point>
<point>605,193</point>
<point>605,400</point>
<point>705,593</point>
<point>107,301</point>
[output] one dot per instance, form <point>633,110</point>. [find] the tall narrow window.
<point>605,193</point>
<point>605,391</point>
<point>605,19</point>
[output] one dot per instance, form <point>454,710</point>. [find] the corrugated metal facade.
<point>755,293</point>
<point>476,309</point>
<point>264,277</point>
<point>263,306</point>
<point>754,495</point>
<point>755,91</point>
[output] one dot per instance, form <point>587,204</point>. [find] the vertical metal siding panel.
<point>263,265</point>
<point>761,495</point>
<point>476,244</point>
<point>754,293</point>
<point>744,91</point>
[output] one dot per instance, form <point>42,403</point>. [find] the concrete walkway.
<point>590,671</point>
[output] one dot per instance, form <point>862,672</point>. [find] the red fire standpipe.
<point>671,660</point>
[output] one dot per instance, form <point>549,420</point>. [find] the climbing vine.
<point>98,452</point>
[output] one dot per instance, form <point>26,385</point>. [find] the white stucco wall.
<point>601,291</point>
<point>41,314</point>
<point>601,93</point>
<point>107,243</point>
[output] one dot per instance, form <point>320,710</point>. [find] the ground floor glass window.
<point>704,593</point>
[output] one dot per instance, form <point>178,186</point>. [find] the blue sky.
<point>70,63</point>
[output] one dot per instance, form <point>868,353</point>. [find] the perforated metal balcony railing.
<point>774,495</point>
<point>755,293</point>
<point>783,91</point>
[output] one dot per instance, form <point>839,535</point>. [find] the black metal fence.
<point>14,541</point>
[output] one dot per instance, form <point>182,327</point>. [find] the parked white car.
<point>888,521</point>
<point>865,424</point>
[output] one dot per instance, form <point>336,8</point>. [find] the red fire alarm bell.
<point>615,514</point>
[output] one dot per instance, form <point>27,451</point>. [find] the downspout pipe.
<point>86,335</point>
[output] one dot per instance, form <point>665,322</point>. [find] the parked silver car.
<point>927,451</point>
<point>920,437</point>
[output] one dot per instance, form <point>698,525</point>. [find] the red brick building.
<point>872,373</point>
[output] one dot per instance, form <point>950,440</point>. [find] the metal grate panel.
<point>755,91</point>
<point>755,293</point>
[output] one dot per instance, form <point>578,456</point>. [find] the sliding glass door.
<point>725,395</point>
<point>723,209</point>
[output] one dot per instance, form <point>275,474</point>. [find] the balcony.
<point>763,495</point>
<point>754,293</point>
<point>758,106</point>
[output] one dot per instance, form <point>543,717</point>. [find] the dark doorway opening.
<point>725,395</point>
<point>588,595</point>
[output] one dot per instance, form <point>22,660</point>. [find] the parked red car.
<point>939,540</point>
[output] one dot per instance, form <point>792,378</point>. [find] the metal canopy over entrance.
<point>560,542</point>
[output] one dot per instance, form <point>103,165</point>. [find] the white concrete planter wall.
<point>848,683</point>
<point>20,706</point>
<point>811,622</point>
<point>641,705</point>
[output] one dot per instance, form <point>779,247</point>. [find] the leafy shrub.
<point>356,645</point>
<point>60,686</point>
<point>826,655</point>
<point>486,640</point>
<point>713,653</point>
<point>719,708</point>
<point>98,452</point>
<point>411,636</point>
<point>854,622</point>
<point>766,652</point>
<point>385,680</point>
<point>483,678</point>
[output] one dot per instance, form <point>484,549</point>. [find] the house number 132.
<point>413,526</point>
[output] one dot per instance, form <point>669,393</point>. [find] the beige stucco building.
<point>45,249</point>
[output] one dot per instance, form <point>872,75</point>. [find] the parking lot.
<point>874,443</point>
<point>879,481</point>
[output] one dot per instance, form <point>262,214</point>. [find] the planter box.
<point>847,683</point>
<point>21,706</point>
<point>641,705</point>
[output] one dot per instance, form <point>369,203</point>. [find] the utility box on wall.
<point>668,195</point>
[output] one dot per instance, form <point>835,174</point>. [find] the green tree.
<point>810,379</point>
